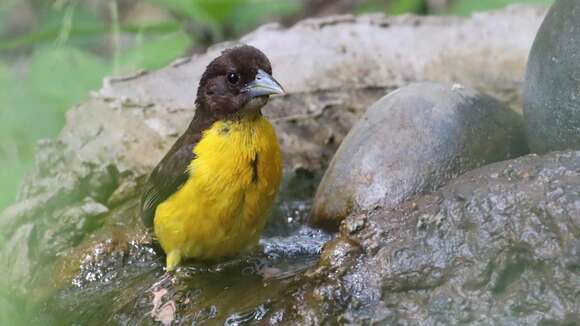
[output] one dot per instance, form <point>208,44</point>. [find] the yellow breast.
<point>222,208</point>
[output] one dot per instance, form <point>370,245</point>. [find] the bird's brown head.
<point>236,84</point>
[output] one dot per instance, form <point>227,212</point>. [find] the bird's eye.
<point>233,78</point>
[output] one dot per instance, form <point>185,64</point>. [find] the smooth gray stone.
<point>412,141</point>
<point>552,88</point>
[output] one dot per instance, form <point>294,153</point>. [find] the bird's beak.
<point>263,85</point>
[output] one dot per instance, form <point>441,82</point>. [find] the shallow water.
<point>129,286</point>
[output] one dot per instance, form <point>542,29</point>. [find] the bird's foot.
<point>164,281</point>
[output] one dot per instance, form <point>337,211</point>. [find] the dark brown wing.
<point>169,175</point>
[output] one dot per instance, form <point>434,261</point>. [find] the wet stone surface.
<point>496,246</point>
<point>413,141</point>
<point>121,280</point>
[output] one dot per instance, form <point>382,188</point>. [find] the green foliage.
<point>60,77</point>
<point>154,52</point>
<point>458,7</point>
<point>247,16</point>
<point>467,7</point>
<point>404,6</point>
<point>225,12</point>
<point>223,16</point>
<point>391,7</point>
<point>11,175</point>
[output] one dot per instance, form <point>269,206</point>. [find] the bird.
<point>209,197</point>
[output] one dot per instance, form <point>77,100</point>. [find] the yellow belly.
<point>223,207</point>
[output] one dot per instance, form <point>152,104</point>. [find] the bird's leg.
<point>173,260</point>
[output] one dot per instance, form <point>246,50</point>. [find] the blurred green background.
<point>53,52</point>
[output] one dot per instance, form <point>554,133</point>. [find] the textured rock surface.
<point>496,246</point>
<point>552,88</point>
<point>413,141</point>
<point>333,69</point>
